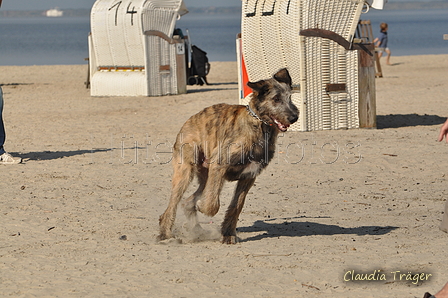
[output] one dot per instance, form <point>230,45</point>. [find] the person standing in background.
<point>381,43</point>
<point>5,158</point>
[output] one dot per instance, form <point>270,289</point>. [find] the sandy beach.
<point>79,216</point>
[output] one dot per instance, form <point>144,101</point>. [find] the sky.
<point>63,4</point>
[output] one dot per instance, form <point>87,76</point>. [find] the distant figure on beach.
<point>381,43</point>
<point>5,158</point>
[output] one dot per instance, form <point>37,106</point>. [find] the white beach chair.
<point>132,50</point>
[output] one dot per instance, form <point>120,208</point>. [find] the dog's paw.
<point>229,240</point>
<point>167,240</point>
<point>163,236</point>
<point>170,241</point>
<point>199,206</point>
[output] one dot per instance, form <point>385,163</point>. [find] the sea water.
<point>412,32</point>
<point>50,41</point>
<point>44,41</point>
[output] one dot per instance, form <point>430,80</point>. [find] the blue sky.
<point>47,4</point>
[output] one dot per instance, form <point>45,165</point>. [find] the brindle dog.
<point>228,142</point>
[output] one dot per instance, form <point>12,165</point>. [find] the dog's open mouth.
<point>282,127</point>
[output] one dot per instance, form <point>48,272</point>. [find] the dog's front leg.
<point>209,203</point>
<point>228,227</point>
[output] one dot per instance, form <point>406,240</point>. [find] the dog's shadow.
<point>50,155</point>
<point>289,228</point>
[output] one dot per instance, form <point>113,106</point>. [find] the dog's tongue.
<point>281,126</point>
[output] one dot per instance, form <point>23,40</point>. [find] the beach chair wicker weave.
<point>270,41</point>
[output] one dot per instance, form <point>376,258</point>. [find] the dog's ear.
<point>259,87</point>
<point>283,76</point>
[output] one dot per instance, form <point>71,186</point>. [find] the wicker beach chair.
<point>132,48</point>
<point>324,74</point>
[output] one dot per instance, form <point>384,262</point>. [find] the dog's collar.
<point>253,114</point>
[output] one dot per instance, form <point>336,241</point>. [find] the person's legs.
<point>2,127</point>
<point>388,52</point>
<point>5,158</point>
<point>380,53</point>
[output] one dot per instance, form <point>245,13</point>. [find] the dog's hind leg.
<point>228,227</point>
<point>183,173</point>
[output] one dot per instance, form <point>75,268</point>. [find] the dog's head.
<point>271,100</point>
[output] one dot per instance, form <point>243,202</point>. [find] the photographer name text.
<point>381,275</point>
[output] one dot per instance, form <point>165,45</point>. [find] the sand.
<point>79,217</point>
